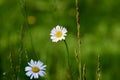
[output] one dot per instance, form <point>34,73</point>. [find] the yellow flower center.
<point>59,34</point>
<point>35,69</point>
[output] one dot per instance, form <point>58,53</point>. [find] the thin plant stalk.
<point>67,53</point>
<point>12,67</point>
<point>68,61</point>
<point>12,63</point>
<point>78,61</point>
<point>98,69</point>
<point>22,4</point>
<point>84,72</point>
<point>78,35</point>
<point>21,51</point>
<point>26,56</point>
<point>23,29</point>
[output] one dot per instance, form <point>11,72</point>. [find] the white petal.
<point>53,31</point>
<point>61,27</point>
<point>52,34</point>
<point>35,63</point>
<point>39,63</point>
<point>43,67</point>
<point>64,30</point>
<point>35,75</point>
<point>31,63</point>
<point>65,35</point>
<point>63,38</point>
<point>55,40</point>
<point>28,73</point>
<point>27,68</point>
<point>57,27</point>
<point>31,76</point>
<point>42,73</point>
<point>53,37</point>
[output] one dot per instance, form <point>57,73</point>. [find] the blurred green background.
<point>100,35</point>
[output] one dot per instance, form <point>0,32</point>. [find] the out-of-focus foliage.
<point>100,29</point>
<point>99,20</point>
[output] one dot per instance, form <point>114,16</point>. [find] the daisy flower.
<point>35,69</point>
<point>58,33</point>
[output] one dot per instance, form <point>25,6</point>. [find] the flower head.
<point>58,33</point>
<point>35,69</point>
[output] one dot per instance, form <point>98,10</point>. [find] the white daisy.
<point>58,33</point>
<point>35,69</point>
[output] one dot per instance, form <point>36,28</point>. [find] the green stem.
<point>68,60</point>
<point>98,70</point>
<point>67,54</point>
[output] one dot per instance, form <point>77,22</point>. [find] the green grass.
<point>99,30</point>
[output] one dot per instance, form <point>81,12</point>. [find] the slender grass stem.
<point>22,3</point>
<point>84,72</point>
<point>78,35</point>
<point>78,62</point>
<point>12,67</point>
<point>98,69</point>
<point>20,51</point>
<point>23,29</point>
<point>26,56</point>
